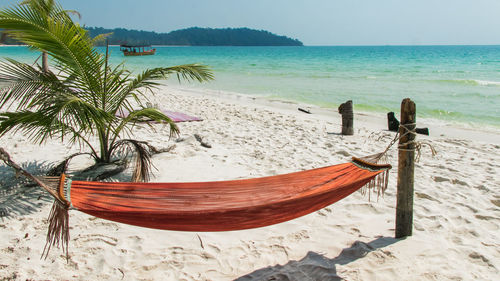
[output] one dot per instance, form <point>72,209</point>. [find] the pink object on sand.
<point>175,116</point>
<point>180,117</point>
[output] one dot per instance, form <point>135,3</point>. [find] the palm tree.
<point>84,96</point>
<point>46,8</point>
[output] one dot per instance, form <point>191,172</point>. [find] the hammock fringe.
<point>381,181</point>
<point>58,231</point>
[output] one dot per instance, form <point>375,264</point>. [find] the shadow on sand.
<point>315,266</point>
<point>19,196</point>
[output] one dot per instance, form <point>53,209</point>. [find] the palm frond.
<point>144,115</point>
<point>190,72</point>
<point>24,83</point>
<point>82,97</point>
<point>143,154</point>
<point>101,37</point>
<point>148,80</point>
<point>57,35</point>
<point>66,116</point>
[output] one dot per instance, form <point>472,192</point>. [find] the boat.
<point>137,50</point>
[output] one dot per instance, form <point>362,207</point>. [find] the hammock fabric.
<point>205,206</point>
<point>222,205</point>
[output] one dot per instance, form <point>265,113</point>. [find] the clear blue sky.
<point>314,22</point>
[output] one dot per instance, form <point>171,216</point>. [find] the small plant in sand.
<point>81,97</point>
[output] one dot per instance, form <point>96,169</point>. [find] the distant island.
<point>194,36</point>
<point>197,36</point>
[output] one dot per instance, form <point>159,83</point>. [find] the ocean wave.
<point>472,82</point>
<point>443,113</point>
<point>480,96</point>
<point>487,83</point>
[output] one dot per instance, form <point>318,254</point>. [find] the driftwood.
<point>304,110</point>
<point>201,141</point>
<point>347,118</point>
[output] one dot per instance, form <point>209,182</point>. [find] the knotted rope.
<point>381,181</point>
<point>417,145</point>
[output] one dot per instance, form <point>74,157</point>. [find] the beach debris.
<point>304,110</point>
<point>155,150</point>
<point>392,122</point>
<point>201,242</point>
<point>121,271</point>
<point>201,141</point>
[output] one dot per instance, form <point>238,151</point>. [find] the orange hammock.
<point>221,205</point>
<point>205,206</point>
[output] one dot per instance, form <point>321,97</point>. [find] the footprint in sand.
<point>496,202</point>
<point>440,179</point>
<point>214,248</point>
<point>478,258</point>
<point>97,238</point>
<point>298,236</point>
<point>425,196</point>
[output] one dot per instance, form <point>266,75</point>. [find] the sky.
<point>314,22</point>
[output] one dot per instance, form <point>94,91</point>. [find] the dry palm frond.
<point>142,152</point>
<point>58,232</point>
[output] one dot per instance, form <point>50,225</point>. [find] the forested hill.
<point>196,36</point>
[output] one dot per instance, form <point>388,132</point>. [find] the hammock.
<point>222,205</point>
<point>205,206</point>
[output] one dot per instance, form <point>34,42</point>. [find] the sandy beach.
<point>456,212</point>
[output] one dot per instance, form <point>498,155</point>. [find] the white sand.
<point>456,217</point>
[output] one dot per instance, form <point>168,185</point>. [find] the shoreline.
<point>466,94</point>
<point>378,121</point>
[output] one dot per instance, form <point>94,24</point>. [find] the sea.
<point>457,85</point>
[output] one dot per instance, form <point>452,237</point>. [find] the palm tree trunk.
<point>45,62</point>
<point>3,37</point>
<point>103,141</point>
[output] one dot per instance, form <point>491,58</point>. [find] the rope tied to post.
<point>417,145</point>
<point>412,145</point>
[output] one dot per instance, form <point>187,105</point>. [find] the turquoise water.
<point>450,83</point>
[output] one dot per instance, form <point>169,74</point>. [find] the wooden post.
<point>347,118</point>
<point>406,158</point>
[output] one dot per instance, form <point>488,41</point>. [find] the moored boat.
<point>137,50</point>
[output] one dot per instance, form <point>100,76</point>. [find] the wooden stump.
<point>392,122</point>
<point>406,158</point>
<point>347,118</point>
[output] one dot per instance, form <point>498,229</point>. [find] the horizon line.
<point>334,45</point>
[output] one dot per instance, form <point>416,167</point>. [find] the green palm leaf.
<point>81,98</point>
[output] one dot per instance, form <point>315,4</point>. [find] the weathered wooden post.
<point>406,158</point>
<point>347,118</point>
